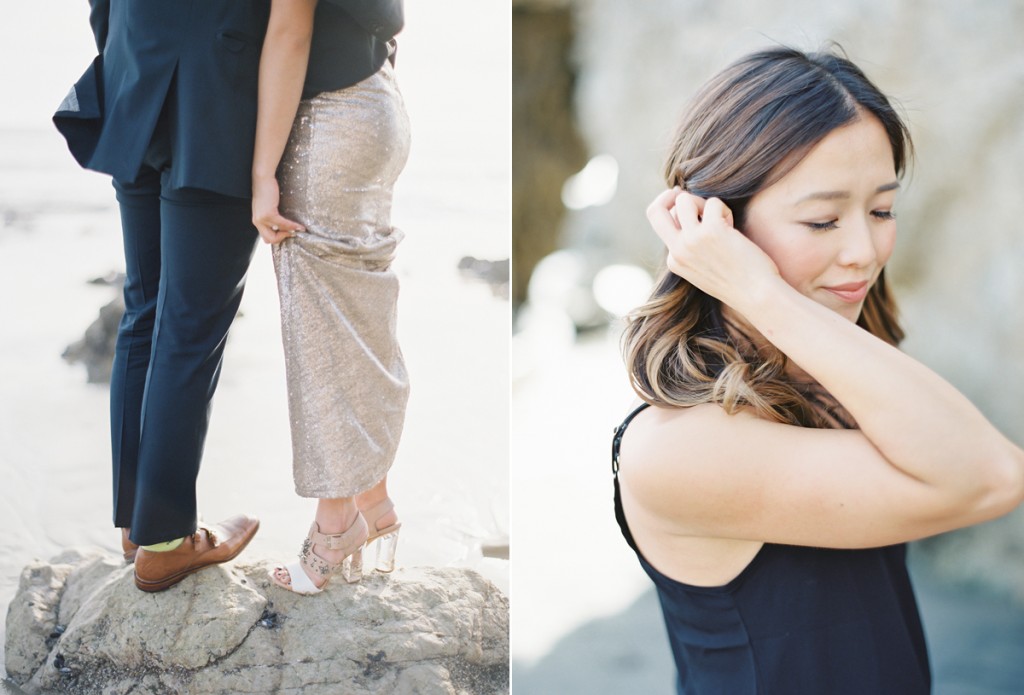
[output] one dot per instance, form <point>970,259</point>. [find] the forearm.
<point>918,421</point>
<point>283,65</point>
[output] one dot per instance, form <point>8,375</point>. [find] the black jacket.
<point>210,49</point>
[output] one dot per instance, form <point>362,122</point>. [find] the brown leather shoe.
<point>128,547</point>
<point>209,545</point>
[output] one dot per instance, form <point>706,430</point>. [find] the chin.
<point>851,314</point>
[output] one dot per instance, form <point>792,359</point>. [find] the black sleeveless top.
<point>796,620</point>
<point>351,41</point>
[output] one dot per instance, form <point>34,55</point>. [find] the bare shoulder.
<point>665,452</point>
<point>682,441</point>
<point>657,422</point>
<point>701,472</point>
<point>664,455</point>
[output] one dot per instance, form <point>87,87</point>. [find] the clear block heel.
<point>386,538</point>
<point>386,546</point>
<point>352,567</point>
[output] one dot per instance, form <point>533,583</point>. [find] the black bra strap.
<point>620,516</point>
<point>617,437</point>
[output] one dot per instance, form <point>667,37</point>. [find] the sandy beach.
<point>60,229</point>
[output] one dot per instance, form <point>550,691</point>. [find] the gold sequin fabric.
<point>347,382</point>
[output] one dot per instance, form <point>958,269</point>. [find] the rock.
<point>113,279</point>
<point>546,145</point>
<point>79,625</point>
<point>494,273</point>
<point>96,348</point>
<point>35,614</point>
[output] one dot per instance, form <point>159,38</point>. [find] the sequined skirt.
<point>347,382</point>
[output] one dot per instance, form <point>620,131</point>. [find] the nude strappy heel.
<point>350,567</point>
<point>386,538</point>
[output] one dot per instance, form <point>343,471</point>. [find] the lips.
<point>850,292</point>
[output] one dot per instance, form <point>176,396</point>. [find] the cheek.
<point>798,254</point>
<point>885,242</point>
<point>799,257</point>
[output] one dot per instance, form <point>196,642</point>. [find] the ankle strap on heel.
<point>346,540</point>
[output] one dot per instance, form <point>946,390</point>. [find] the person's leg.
<point>376,498</point>
<point>140,224</point>
<point>335,515</point>
<point>379,511</point>
<point>206,244</point>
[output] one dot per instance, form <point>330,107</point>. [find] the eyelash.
<point>883,215</point>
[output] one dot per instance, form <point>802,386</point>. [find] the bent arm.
<point>918,421</point>
<point>283,64</point>
<point>700,472</point>
<point>925,460</point>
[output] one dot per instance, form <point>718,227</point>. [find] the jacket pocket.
<point>236,41</point>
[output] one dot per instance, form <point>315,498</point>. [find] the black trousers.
<point>187,252</point>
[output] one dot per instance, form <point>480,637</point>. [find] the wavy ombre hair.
<point>745,129</point>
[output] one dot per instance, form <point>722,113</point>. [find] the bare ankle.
<point>336,515</point>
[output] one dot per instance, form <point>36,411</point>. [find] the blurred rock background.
<point>616,76</point>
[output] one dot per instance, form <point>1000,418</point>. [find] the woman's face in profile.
<point>828,223</point>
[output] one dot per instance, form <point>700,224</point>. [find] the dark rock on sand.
<point>96,348</point>
<point>494,273</point>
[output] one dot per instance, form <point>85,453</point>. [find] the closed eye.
<point>821,226</point>
<point>884,215</point>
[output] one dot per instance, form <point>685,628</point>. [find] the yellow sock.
<point>163,547</point>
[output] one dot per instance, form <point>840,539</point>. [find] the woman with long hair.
<point>786,450</point>
<point>332,136</point>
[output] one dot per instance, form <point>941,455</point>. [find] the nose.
<point>858,245</point>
